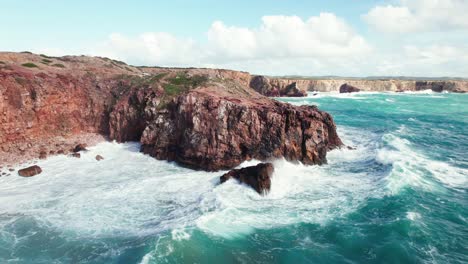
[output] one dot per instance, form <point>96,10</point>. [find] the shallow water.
<point>401,197</point>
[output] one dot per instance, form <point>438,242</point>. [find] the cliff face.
<point>49,104</point>
<point>333,85</point>
<point>41,104</point>
<point>276,87</point>
<point>202,118</point>
<point>220,125</point>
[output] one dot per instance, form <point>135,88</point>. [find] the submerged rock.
<point>346,88</point>
<point>258,177</point>
<point>30,171</point>
<point>99,157</point>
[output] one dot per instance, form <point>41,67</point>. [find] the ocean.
<point>399,197</point>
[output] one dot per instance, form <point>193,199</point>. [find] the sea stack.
<point>346,88</point>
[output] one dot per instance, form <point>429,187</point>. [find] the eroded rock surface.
<point>276,87</point>
<point>221,125</point>
<point>202,118</point>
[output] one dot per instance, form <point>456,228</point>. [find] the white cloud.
<point>419,16</point>
<point>320,45</point>
<point>149,48</point>
<point>277,37</point>
<point>424,61</point>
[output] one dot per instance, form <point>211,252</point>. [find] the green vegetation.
<point>58,65</point>
<point>180,84</point>
<point>128,69</point>
<point>171,89</point>
<point>29,65</point>
<point>159,76</point>
<point>27,52</point>
<point>45,56</point>
<point>182,79</point>
<point>46,61</point>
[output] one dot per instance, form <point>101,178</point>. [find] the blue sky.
<point>338,37</point>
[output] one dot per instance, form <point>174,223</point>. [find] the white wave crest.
<point>411,168</point>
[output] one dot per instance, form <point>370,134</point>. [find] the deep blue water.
<point>400,197</point>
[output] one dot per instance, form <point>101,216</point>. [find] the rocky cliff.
<point>220,125</point>
<point>391,85</point>
<point>202,118</point>
<point>276,87</point>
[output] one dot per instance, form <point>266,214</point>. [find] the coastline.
<point>59,145</point>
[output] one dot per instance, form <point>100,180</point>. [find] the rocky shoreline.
<point>201,118</point>
<point>208,119</point>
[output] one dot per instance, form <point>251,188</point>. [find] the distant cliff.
<point>273,85</point>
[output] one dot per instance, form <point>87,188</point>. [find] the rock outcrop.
<point>30,171</point>
<point>80,147</point>
<point>293,90</point>
<point>258,177</point>
<point>222,124</point>
<point>53,103</point>
<point>346,88</point>
<point>202,118</point>
<point>275,88</point>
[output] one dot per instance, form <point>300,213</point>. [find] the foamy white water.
<point>404,187</point>
<point>131,193</point>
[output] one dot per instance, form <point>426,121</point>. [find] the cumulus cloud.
<point>419,16</point>
<point>288,36</point>
<point>320,45</point>
<point>277,37</point>
<point>150,47</point>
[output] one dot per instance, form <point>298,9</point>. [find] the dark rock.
<point>292,90</point>
<point>436,86</point>
<point>30,171</point>
<point>80,147</point>
<point>61,152</point>
<point>346,88</point>
<point>11,169</point>
<point>258,177</point>
<point>262,85</point>
<point>75,155</point>
<point>43,155</point>
<point>351,148</point>
<point>99,157</point>
<point>276,87</point>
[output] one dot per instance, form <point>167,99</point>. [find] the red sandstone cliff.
<point>220,125</point>
<point>203,118</point>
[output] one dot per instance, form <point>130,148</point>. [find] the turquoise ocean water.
<point>400,197</point>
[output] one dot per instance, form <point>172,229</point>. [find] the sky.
<point>359,38</point>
